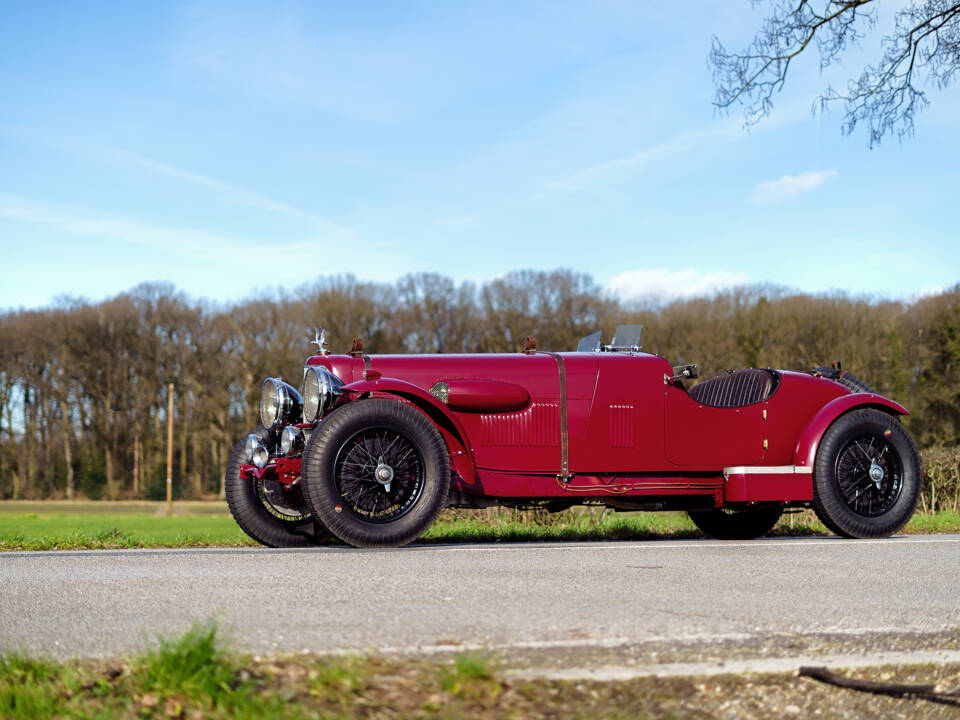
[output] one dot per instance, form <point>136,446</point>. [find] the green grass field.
<point>62,526</point>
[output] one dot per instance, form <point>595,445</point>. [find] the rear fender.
<point>806,451</point>
<point>461,454</point>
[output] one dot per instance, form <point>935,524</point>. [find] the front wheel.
<point>724,524</point>
<point>866,479</point>
<point>376,473</point>
<point>267,511</point>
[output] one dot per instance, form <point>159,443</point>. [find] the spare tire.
<point>849,381</point>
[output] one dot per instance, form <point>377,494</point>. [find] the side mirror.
<point>685,372</point>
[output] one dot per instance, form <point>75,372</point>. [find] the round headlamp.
<point>261,457</point>
<point>291,441</point>
<point>256,452</point>
<point>279,403</point>
<point>249,445</point>
<point>320,390</point>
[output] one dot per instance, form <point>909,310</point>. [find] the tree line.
<point>83,386</point>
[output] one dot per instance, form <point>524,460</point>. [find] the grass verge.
<point>502,525</point>
<point>71,529</point>
<point>88,530</point>
<point>194,676</point>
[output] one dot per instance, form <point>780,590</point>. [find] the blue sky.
<point>228,147</point>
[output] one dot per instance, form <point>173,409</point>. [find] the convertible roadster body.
<point>372,447</point>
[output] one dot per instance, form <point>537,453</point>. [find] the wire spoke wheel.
<point>869,475</point>
<point>379,474</point>
<point>376,472</point>
<point>283,503</point>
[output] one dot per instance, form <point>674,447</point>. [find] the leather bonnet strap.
<point>564,435</point>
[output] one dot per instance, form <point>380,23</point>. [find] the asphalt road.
<point>503,595</point>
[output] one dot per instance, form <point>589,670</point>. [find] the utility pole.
<point>169,448</point>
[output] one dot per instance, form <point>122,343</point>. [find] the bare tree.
<point>435,314</point>
<point>83,386</point>
<point>922,50</point>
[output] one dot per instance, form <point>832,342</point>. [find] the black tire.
<point>849,381</point>
<point>858,500</point>
<point>272,524</point>
<point>343,456</point>
<point>725,524</point>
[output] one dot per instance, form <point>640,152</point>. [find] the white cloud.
<point>666,285</point>
<point>925,292</point>
<point>770,191</point>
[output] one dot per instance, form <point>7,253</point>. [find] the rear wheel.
<point>726,524</point>
<point>866,480</point>
<point>376,473</point>
<point>266,510</point>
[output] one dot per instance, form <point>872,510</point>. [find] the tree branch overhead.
<point>923,48</point>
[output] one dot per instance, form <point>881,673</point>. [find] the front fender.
<point>806,451</point>
<point>461,453</point>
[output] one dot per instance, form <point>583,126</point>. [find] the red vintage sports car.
<point>373,447</point>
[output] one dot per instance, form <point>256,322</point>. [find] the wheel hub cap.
<point>876,474</point>
<point>384,475</point>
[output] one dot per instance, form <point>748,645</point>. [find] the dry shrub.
<point>941,482</point>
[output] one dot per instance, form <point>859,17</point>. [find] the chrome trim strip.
<point>767,470</point>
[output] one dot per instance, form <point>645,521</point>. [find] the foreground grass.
<point>72,528</point>
<point>194,676</point>
<point>189,672</point>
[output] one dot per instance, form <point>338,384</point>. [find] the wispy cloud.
<point>639,159</point>
<point>226,191</point>
<point>231,193</point>
<point>605,170</point>
<point>454,223</point>
<point>730,129</point>
<point>665,285</point>
<point>76,221</point>
<point>186,246</point>
<point>771,191</point>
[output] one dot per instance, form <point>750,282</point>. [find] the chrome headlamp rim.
<point>320,389</point>
<point>291,441</point>
<point>280,403</point>
<point>255,451</point>
<point>249,445</point>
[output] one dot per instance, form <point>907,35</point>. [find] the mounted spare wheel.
<point>264,508</point>
<point>850,381</point>
<point>866,480</point>
<point>376,473</point>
